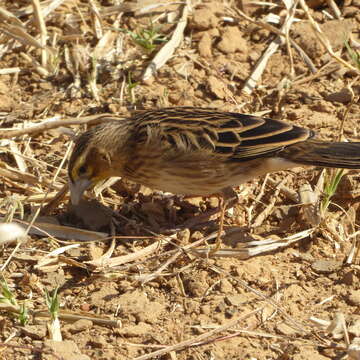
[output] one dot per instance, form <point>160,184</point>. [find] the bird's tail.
<point>327,154</point>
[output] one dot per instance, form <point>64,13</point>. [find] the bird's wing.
<point>236,136</point>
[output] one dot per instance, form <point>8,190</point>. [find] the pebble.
<point>80,325</point>
<point>236,299</point>
<point>354,329</point>
<point>285,329</point>
<point>36,332</point>
<point>225,286</point>
<point>354,297</point>
<point>343,96</point>
<point>205,45</point>
<point>326,266</point>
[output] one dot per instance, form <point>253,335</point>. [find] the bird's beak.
<point>77,189</point>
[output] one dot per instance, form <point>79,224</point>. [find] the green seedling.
<point>52,302</point>
<point>147,38</point>
<point>330,188</point>
<point>354,54</point>
<point>9,299</point>
<point>23,314</point>
<point>131,85</point>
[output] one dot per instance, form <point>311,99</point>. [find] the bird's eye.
<point>82,169</point>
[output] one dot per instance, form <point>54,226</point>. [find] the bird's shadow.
<point>142,215</point>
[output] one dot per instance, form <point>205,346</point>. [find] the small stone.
<point>197,331</point>
<point>204,19</point>
<point>205,45</point>
<point>67,349</point>
<point>343,96</point>
<point>80,325</point>
<point>36,332</point>
<point>225,286</point>
<point>285,329</point>
<point>326,266</point>
<point>216,87</point>
<point>205,309</point>
<point>348,278</point>
<point>354,329</point>
<point>236,300</point>
<point>232,40</point>
<point>354,297</point>
<point>140,329</point>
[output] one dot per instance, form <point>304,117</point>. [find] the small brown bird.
<point>195,151</point>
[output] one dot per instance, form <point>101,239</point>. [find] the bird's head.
<point>89,164</point>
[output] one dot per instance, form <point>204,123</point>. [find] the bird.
<point>198,152</point>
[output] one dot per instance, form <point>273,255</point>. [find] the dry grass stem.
<point>53,124</point>
<point>260,66</point>
<point>259,246</point>
<point>257,200</point>
<point>40,23</point>
<point>63,232</point>
<point>333,6</point>
<point>266,212</point>
<point>74,316</point>
<point>169,48</point>
<point>289,193</point>
<point>120,260</point>
<point>12,70</point>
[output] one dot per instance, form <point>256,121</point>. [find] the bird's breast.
<point>201,178</point>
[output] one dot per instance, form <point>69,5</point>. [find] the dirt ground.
<point>164,300</point>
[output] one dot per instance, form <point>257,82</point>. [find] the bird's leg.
<point>227,197</point>
<point>221,226</point>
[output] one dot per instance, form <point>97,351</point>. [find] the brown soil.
<point>191,295</point>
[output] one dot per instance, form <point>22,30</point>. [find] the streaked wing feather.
<point>269,143</point>
<point>236,136</point>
